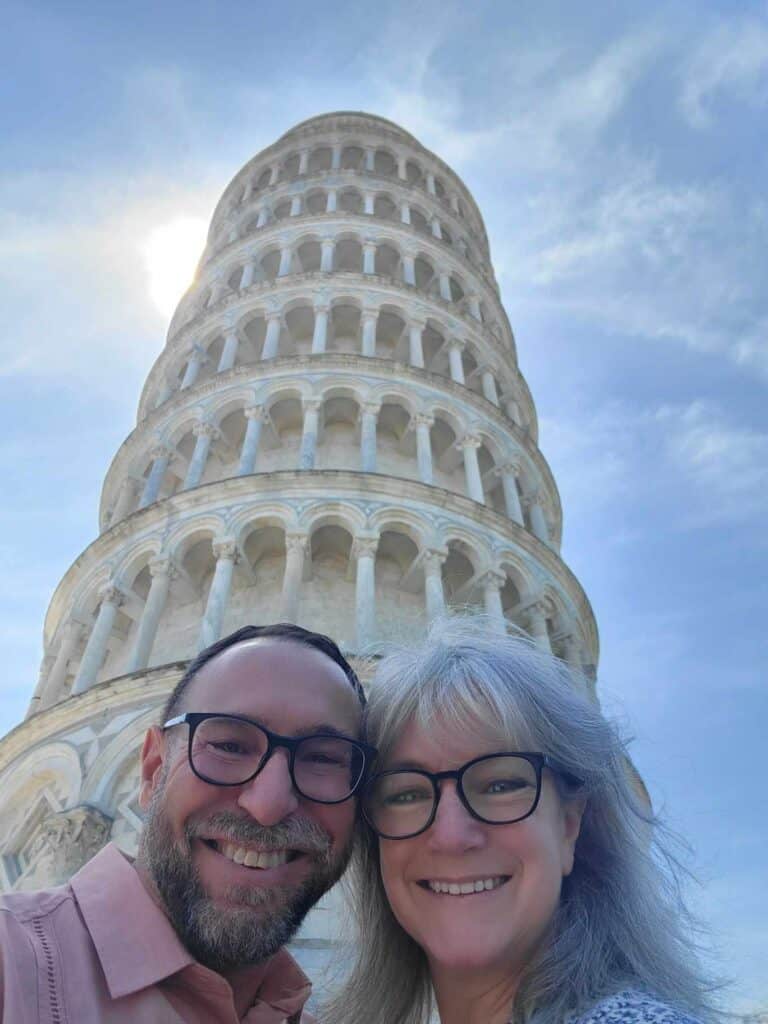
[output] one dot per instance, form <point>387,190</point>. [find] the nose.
<point>454,830</point>
<point>270,797</point>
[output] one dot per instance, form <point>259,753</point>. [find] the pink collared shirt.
<point>100,951</point>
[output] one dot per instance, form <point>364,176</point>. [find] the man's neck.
<point>245,983</point>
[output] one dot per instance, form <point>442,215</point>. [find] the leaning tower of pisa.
<point>336,433</point>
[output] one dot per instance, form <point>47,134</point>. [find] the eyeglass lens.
<point>229,751</point>
<point>498,789</point>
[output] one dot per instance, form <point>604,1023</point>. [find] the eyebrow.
<point>324,728</point>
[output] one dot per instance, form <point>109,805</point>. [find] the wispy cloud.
<point>731,60</point>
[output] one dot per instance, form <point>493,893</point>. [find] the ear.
<point>572,813</point>
<point>152,759</point>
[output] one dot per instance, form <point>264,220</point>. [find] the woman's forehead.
<point>444,737</point>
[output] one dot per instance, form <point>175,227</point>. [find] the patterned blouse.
<point>631,1006</point>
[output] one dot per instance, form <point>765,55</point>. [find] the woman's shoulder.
<point>632,1006</point>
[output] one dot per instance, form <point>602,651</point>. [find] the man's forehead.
<point>268,671</point>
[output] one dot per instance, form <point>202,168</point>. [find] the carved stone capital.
<point>433,559</point>
<point>110,593</point>
<point>512,465</point>
<point>469,441</point>
<point>370,409</point>
<point>226,549</point>
<point>161,450</point>
<point>70,838</point>
<point>206,429</point>
<point>423,419</point>
<point>254,412</point>
<point>296,542</point>
<point>311,404</point>
<point>493,578</point>
<point>162,566</point>
<point>365,547</point>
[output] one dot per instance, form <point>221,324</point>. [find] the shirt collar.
<point>138,947</point>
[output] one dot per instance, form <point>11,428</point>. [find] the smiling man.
<point>248,786</point>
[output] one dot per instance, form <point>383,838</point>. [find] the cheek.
<point>337,820</point>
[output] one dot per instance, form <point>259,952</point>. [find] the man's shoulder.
<point>632,1006</point>
<point>24,907</point>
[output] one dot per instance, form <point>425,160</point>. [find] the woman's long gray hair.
<point>621,920</point>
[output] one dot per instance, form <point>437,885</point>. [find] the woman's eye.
<point>505,785</point>
<point>408,796</point>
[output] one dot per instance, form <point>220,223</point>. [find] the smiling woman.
<point>171,253</point>
<point>511,870</point>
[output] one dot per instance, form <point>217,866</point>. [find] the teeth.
<point>465,888</point>
<point>254,858</point>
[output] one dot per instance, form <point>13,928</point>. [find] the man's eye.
<point>407,796</point>
<point>228,747</point>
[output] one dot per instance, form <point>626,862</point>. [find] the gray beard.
<point>255,922</point>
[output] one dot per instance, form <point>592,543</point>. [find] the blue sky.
<point>618,155</point>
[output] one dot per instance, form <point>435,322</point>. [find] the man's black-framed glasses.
<point>231,750</point>
<point>497,789</point>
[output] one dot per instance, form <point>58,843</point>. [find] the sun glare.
<point>171,253</point>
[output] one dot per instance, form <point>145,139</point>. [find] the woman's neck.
<point>472,998</point>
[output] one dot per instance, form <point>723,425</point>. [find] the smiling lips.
<point>469,888</point>
<point>251,858</point>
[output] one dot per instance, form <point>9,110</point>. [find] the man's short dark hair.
<point>286,631</point>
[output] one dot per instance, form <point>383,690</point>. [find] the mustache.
<point>293,833</point>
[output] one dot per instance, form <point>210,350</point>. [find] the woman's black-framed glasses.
<point>497,789</point>
<point>231,750</point>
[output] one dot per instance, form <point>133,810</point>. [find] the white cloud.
<point>730,59</point>
<point>727,463</point>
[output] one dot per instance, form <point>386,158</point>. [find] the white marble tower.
<point>336,433</point>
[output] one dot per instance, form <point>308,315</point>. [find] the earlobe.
<point>152,759</point>
<point>573,811</point>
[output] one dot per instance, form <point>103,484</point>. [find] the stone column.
<point>295,206</point>
<point>364,550</point>
<point>263,215</point>
<point>204,433</point>
<point>303,161</point>
<point>285,262</point>
<point>162,572</point>
<point>445,286</point>
<point>246,279</point>
<point>368,203</point>
<point>405,212</point>
<point>126,496</point>
<point>469,445</point>
<point>572,652</point>
<point>295,548</point>
<point>433,582</point>
<point>431,183</point>
<point>409,270</point>
<point>537,625</point>
<point>250,447</point>
<point>509,473</point>
<point>272,337</point>
<point>70,638</point>
<point>309,433</point>
<point>229,352</point>
<point>368,416</point>
<point>489,387</point>
<point>368,321</point>
<point>370,158</point>
<point>320,333</point>
<point>492,582</point>
<point>226,556</point>
<point>474,306</point>
<point>369,257</point>
<point>424,446</point>
<point>218,290</point>
<point>196,360</point>
<point>538,522</point>
<point>455,203</point>
<point>455,348</point>
<point>330,201</point>
<point>416,348</point>
<point>401,171</point>
<point>336,157</point>
<point>274,173</point>
<point>513,411</point>
<point>162,456</point>
<point>326,255</point>
<point>437,231</point>
<point>96,648</point>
